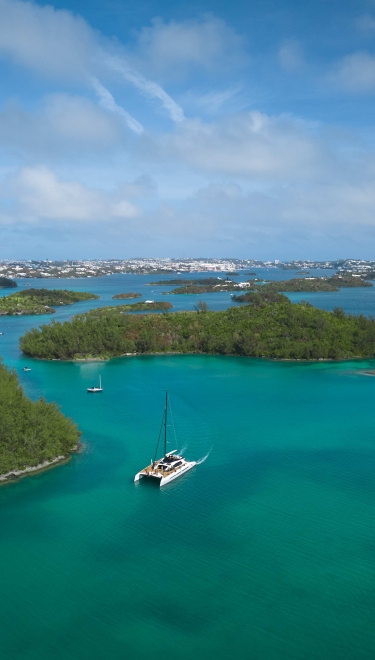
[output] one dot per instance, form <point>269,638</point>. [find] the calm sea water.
<point>265,550</point>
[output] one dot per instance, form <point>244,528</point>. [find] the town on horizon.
<point>101,267</point>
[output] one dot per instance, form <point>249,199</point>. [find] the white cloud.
<point>354,73</point>
<point>60,126</point>
<point>250,145</point>
<point>40,195</point>
<point>219,192</point>
<point>299,214</point>
<point>57,44</point>
<point>214,101</point>
<point>291,57</point>
<point>49,41</point>
<point>175,47</point>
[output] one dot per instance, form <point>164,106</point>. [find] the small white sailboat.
<point>96,388</point>
<point>26,369</point>
<point>170,466</point>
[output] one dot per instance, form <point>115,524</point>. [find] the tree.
<point>201,306</point>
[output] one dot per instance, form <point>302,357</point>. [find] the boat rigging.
<point>171,465</point>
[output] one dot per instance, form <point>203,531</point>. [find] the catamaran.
<point>171,465</point>
<point>95,388</point>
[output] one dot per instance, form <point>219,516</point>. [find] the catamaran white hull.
<point>167,479</point>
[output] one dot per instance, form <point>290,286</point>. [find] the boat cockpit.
<point>169,463</point>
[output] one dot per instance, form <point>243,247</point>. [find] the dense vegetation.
<point>40,301</point>
<point>303,285</point>
<point>120,296</point>
<point>30,432</point>
<point>200,289</point>
<point>6,283</point>
<point>130,307</point>
<point>276,329</point>
<point>298,284</point>
<point>206,285</point>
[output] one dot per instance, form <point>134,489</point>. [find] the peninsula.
<point>33,435</point>
<point>40,301</point>
<point>271,326</point>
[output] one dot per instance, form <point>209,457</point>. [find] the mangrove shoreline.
<point>31,470</point>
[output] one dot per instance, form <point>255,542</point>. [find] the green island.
<point>204,281</point>
<point>271,326</point>
<point>33,434</point>
<point>305,285</point>
<point>298,284</point>
<point>7,283</point>
<point>40,301</point>
<point>199,285</point>
<point>122,296</point>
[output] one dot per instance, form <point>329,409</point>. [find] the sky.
<point>160,128</point>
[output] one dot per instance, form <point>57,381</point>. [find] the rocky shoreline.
<point>13,475</point>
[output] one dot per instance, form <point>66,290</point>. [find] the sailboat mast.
<point>165,422</point>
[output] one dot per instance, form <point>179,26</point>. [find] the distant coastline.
<point>77,269</point>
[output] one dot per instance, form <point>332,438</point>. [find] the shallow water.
<point>265,550</point>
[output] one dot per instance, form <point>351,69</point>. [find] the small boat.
<point>171,465</point>
<point>96,388</point>
<point>26,369</point>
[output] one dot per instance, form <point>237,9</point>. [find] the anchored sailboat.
<point>171,465</point>
<point>95,388</point>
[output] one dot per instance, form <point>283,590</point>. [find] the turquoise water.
<point>265,550</point>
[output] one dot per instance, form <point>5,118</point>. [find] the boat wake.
<point>202,460</point>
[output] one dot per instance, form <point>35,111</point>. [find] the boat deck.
<point>155,471</point>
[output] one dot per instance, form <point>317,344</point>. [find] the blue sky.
<point>178,129</point>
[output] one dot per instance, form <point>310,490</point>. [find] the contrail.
<point>107,101</point>
<point>148,87</point>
